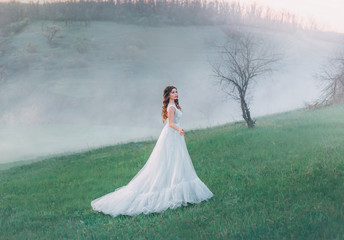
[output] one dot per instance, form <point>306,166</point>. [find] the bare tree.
<point>50,32</point>
<point>332,78</point>
<point>241,60</point>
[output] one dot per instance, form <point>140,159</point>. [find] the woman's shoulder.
<point>171,105</point>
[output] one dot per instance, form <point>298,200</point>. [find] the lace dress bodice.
<point>177,116</point>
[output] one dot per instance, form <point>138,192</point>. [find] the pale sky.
<point>329,14</point>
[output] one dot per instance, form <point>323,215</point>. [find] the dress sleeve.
<point>171,106</point>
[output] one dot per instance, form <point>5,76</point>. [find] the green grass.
<point>282,180</point>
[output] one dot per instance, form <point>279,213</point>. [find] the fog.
<point>62,100</point>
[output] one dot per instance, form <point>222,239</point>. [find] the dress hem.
<point>180,195</point>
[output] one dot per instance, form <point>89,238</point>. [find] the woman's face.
<point>174,94</point>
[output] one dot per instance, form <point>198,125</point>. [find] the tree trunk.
<point>246,113</point>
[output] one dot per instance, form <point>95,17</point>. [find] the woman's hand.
<point>181,131</point>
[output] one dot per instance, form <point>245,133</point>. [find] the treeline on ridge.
<point>151,13</point>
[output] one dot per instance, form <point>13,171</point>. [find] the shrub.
<point>16,27</point>
<point>31,48</point>
<point>81,44</point>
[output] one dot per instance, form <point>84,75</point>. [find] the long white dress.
<point>167,180</point>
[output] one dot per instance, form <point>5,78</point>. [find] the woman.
<point>167,180</point>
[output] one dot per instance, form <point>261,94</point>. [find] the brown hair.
<point>166,100</point>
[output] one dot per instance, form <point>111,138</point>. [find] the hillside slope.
<point>283,179</point>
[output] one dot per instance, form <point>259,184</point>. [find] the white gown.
<point>167,180</point>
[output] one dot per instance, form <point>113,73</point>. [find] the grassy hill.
<point>282,180</point>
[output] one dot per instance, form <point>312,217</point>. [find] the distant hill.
<point>102,84</point>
